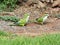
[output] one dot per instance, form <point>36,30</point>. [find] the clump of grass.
<point>7,4</point>
<point>9,18</point>
<point>3,33</point>
<point>38,40</point>
<point>8,34</point>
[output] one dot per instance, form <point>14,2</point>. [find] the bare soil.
<point>51,26</point>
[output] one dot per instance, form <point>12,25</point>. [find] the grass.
<point>2,33</point>
<point>8,5</point>
<point>53,39</point>
<point>10,18</point>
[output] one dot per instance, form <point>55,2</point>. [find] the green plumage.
<point>23,21</point>
<point>42,19</point>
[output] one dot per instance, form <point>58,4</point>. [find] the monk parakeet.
<point>42,19</point>
<point>23,21</point>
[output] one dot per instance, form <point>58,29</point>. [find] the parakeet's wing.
<point>22,21</point>
<point>40,19</point>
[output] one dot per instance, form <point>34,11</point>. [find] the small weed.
<point>7,4</point>
<point>9,18</point>
<point>3,33</point>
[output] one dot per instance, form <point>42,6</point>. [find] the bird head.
<point>26,16</point>
<point>46,14</point>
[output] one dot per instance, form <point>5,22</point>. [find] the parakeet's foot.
<point>41,23</point>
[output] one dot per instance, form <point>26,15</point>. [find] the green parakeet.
<point>42,19</point>
<point>23,21</point>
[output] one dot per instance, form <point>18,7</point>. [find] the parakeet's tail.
<point>15,24</point>
<point>12,25</point>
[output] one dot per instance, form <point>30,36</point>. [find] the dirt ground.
<point>52,25</point>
